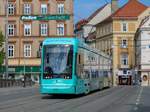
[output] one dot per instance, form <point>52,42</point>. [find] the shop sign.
<point>145,78</point>
<point>46,17</point>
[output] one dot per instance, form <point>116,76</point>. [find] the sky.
<point>84,8</point>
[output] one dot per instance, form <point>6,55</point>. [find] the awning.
<point>21,69</point>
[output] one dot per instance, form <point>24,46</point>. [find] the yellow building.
<point>115,36</point>
<point>29,23</point>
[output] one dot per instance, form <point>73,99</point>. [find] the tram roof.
<point>73,41</point>
<point>60,40</point>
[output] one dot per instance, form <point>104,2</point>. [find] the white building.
<point>98,16</point>
<point>87,29</point>
<point>142,40</point>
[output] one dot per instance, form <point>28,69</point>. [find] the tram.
<point>69,66</point>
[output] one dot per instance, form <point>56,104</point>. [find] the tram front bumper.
<point>59,89</point>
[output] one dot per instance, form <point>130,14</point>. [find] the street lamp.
<point>136,75</point>
<point>6,42</point>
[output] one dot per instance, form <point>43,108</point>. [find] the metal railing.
<point>4,83</point>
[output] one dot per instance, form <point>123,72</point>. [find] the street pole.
<point>24,72</point>
<point>6,43</point>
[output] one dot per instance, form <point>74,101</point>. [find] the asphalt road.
<point>117,99</point>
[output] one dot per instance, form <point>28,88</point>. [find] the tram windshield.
<point>58,61</point>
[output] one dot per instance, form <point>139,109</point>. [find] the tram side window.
<point>80,65</point>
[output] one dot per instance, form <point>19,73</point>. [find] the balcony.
<point>123,46</point>
<point>124,66</point>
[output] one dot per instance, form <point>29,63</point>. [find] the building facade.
<point>142,42</point>
<point>29,23</point>
<point>87,30</point>
<point>115,36</point>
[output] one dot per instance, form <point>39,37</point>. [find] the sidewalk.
<point>16,89</point>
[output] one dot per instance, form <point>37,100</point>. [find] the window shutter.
<point>65,29</point>
<point>15,9</point>
<point>6,29</point>
<point>47,28</point>
<point>23,30</point>
<point>40,29</point>
<point>15,30</point>
<point>32,9</point>
<point>48,8</point>
<point>23,9</point>
<point>5,9</point>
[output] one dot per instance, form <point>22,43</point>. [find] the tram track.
<point>73,103</point>
<point>116,99</point>
<point>36,103</point>
<point>120,100</point>
<point>25,103</point>
<point>89,101</point>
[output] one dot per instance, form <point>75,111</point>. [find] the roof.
<point>91,36</point>
<point>130,10</point>
<point>81,23</point>
<point>96,12</point>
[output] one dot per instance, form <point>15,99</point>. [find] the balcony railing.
<point>124,66</point>
<point>123,46</point>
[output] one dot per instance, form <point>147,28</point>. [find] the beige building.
<point>142,40</point>
<point>115,36</point>
<point>29,23</point>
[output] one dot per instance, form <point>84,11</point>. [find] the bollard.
<point>4,83</point>
<point>0,83</point>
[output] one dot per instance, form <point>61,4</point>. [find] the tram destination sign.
<point>46,17</point>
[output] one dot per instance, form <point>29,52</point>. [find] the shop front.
<point>125,77</point>
<point>19,72</point>
<point>125,80</point>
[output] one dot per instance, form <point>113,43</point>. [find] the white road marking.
<point>137,103</point>
<point>135,108</point>
<point>138,99</point>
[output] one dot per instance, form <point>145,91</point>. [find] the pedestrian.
<point>23,82</point>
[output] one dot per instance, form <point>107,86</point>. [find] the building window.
<point>60,8</point>
<point>43,8</point>
<point>11,9</point>
<point>27,29</point>
<point>44,29</point>
<point>124,27</point>
<point>124,43</point>
<point>11,29</point>
<point>27,9</point>
<point>11,51</point>
<point>124,59</point>
<point>125,72</point>
<point>60,29</point>
<point>27,50</point>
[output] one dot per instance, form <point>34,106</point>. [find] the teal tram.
<point>69,66</point>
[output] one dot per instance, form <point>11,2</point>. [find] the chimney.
<point>114,5</point>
